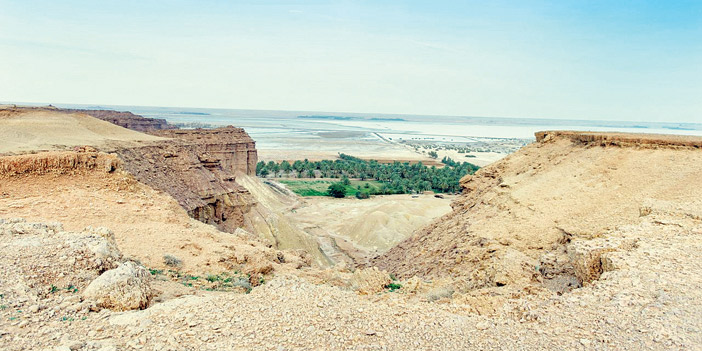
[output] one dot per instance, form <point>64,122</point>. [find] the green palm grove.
<point>397,177</point>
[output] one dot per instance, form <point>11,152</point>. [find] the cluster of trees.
<point>399,177</point>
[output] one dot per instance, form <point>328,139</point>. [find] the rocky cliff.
<point>202,182</point>
<point>229,148</point>
<point>124,119</point>
<point>543,218</point>
<point>196,167</point>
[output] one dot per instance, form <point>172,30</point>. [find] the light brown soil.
<point>623,221</point>
<point>375,224</point>
<point>513,226</point>
<point>30,130</point>
<point>147,224</point>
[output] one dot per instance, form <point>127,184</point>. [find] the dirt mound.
<point>521,222</point>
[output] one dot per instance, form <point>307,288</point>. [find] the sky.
<point>597,60</point>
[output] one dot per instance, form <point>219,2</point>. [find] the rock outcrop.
<point>228,148</point>
<point>127,287</point>
<point>38,258</point>
<point>198,168</point>
<point>58,163</point>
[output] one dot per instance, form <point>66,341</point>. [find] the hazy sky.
<point>611,60</point>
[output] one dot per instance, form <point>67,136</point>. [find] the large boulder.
<point>41,259</point>
<point>124,288</point>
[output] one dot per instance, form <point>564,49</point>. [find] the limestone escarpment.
<point>198,168</point>
<point>124,119</point>
<point>524,221</point>
<point>195,178</point>
<point>230,148</point>
<point>622,139</point>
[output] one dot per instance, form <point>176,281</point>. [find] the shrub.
<point>337,190</point>
<point>171,261</point>
<point>364,194</point>
<point>393,286</point>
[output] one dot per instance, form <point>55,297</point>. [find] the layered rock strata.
<point>125,119</point>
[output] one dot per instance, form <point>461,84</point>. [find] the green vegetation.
<point>318,187</point>
<point>225,281</point>
<point>393,286</point>
<point>337,190</point>
<point>353,173</point>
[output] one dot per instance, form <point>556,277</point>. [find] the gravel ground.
<point>651,301</point>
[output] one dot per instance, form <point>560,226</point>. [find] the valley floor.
<point>649,303</point>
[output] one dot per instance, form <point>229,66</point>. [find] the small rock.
<point>482,325</point>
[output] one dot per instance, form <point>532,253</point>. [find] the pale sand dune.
<point>28,131</point>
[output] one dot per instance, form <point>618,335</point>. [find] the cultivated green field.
<point>317,187</point>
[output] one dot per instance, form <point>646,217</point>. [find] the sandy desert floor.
<point>366,228</point>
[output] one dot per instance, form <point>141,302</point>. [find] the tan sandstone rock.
<point>126,287</point>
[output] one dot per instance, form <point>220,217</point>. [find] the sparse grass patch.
<point>171,261</point>
<point>439,293</point>
<point>224,281</point>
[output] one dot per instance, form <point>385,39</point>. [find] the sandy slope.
<point>147,224</point>
<point>337,229</point>
<point>522,222</point>
<point>45,130</point>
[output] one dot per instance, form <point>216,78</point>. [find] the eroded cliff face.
<point>198,168</point>
<point>228,148</point>
<point>546,216</point>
